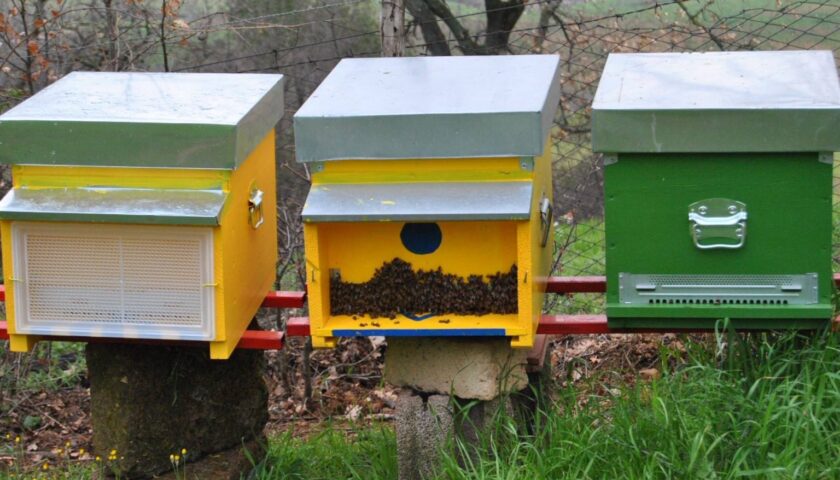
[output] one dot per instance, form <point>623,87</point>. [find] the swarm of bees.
<point>396,288</point>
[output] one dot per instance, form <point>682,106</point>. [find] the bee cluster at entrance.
<point>397,289</point>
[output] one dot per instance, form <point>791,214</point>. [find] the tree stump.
<point>150,402</point>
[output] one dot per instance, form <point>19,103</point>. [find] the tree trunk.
<point>501,18</point>
<point>427,21</point>
<point>111,25</point>
<point>392,28</point>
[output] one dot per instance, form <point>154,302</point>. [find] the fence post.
<point>392,28</point>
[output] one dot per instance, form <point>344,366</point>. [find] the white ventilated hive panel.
<point>120,281</point>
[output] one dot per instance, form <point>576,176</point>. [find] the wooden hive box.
<point>142,207</point>
<point>430,207</point>
<point>718,187</point>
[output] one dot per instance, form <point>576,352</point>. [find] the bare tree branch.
<point>465,41</point>
<point>429,28</point>
<point>163,35</point>
<point>501,16</point>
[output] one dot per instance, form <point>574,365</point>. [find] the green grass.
<point>367,453</point>
<point>759,407</point>
<point>597,8</point>
<point>774,413</point>
<point>50,367</point>
<point>581,246</point>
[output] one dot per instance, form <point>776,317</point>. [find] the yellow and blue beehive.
<point>430,207</point>
<point>142,207</point>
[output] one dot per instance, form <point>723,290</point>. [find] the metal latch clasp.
<point>255,208</point>
<point>546,220</point>
<point>718,223</point>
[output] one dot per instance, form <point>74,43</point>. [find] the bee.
<point>396,287</point>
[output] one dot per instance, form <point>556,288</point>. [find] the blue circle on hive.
<point>421,238</point>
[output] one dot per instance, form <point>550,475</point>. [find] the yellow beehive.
<point>143,207</point>
<point>430,207</point>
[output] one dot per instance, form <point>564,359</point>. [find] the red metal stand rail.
<point>299,326</point>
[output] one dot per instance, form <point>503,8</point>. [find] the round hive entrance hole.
<point>421,238</point>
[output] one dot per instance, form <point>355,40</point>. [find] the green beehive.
<point>718,187</point>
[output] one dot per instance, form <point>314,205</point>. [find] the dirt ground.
<point>346,388</point>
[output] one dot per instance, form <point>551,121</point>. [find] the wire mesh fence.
<point>305,39</point>
<point>584,34</point>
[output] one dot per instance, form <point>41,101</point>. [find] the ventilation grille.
<point>750,290</point>
<point>114,281</point>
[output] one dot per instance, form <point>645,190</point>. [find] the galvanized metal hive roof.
<point>114,205</point>
<point>183,120</point>
<point>718,102</point>
<point>415,202</point>
<point>430,107</point>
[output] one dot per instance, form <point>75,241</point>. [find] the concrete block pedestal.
<point>453,388</point>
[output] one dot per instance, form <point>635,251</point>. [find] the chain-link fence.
<point>584,33</point>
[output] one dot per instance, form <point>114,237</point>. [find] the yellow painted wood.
<point>248,256</point>
<point>461,253</point>
<point>430,170</point>
<point>468,247</point>
<point>537,257</point>
<point>22,343</point>
<point>17,343</point>
<point>526,281</point>
<point>318,282</point>
<point>43,176</point>
<point>244,258</point>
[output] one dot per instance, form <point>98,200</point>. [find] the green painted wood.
<point>789,203</point>
<point>737,323</point>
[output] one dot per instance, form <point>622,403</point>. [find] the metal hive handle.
<point>546,219</point>
<point>718,218</point>
<point>255,208</point>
